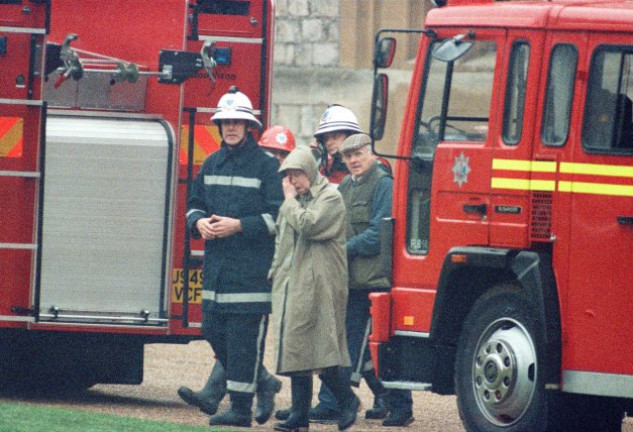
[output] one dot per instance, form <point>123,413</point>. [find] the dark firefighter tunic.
<point>240,183</point>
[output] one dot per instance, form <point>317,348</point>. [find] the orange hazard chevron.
<point>11,136</point>
<point>206,140</point>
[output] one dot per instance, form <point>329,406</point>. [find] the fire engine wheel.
<point>498,368</point>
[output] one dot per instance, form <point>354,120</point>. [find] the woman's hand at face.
<point>289,190</point>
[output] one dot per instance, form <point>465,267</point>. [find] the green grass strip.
<point>35,418</point>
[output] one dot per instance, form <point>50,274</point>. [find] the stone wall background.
<point>323,55</point>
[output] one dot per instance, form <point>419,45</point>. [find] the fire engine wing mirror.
<point>384,52</point>
<point>379,106</point>
<point>452,49</point>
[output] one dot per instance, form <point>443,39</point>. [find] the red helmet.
<point>278,138</point>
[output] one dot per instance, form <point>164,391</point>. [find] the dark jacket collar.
<point>241,155</point>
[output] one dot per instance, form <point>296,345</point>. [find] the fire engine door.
<point>599,182</point>
<point>511,166</point>
<point>105,220</point>
<point>458,112</point>
<point>448,179</point>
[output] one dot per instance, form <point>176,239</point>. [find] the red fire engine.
<point>105,113</point>
<point>513,214</point>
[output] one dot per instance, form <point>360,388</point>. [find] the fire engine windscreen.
<point>455,106</point>
<point>456,102</point>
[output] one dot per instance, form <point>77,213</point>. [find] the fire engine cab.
<point>105,110</point>
<point>512,224</point>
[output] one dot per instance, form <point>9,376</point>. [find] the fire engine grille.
<point>541,221</point>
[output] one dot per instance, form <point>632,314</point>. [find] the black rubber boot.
<point>267,387</point>
<point>301,392</point>
<point>283,414</point>
<point>238,415</point>
<point>398,418</point>
<point>380,410</point>
<point>208,399</point>
<point>347,400</point>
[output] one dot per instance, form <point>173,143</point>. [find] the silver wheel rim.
<point>504,372</point>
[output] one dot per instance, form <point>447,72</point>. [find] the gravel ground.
<point>169,366</point>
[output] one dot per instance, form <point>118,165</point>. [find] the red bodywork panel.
<point>586,198</point>
<point>131,32</point>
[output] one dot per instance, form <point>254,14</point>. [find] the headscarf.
<point>301,158</point>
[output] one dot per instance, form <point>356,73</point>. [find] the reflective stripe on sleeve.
<point>219,180</point>
<point>270,223</point>
<point>192,211</point>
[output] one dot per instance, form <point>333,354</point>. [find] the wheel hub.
<point>504,372</point>
<point>497,366</point>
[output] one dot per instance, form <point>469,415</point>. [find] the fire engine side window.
<point>559,97</point>
<point>515,92</point>
<point>608,123</point>
<point>455,107</point>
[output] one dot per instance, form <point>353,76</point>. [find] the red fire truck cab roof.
<point>609,15</point>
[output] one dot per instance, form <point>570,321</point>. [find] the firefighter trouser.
<point>238,341</point>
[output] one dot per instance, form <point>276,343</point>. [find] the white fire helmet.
<point>235,105</point>
<point>337,118</point>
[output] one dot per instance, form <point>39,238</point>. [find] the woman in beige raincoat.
<point>309,273</point>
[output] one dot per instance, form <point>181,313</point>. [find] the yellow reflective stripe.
<point>511,164</point>
<point>564,186</point>
<point>506,183</point>
<point>523,165</point>
<point>595,188</point>
<point>596,169</point>
<point>221,180</point>
<point>622,171</point>
<point>543,185</point>
<point>543,166</point>
<point>522,184</point>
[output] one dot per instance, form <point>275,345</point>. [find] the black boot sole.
<point>374,415</point>
<point>403,423</point>
<point>230,418</point>
<point>281,428</point>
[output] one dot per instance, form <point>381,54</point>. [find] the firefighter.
<point>309,273</point>
<point>336,124</point>
<point>279,141</point>
<point>233,205</point>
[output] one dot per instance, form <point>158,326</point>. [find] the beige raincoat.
<point>309,273</point>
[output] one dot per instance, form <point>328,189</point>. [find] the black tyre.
<point>499,366</point>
